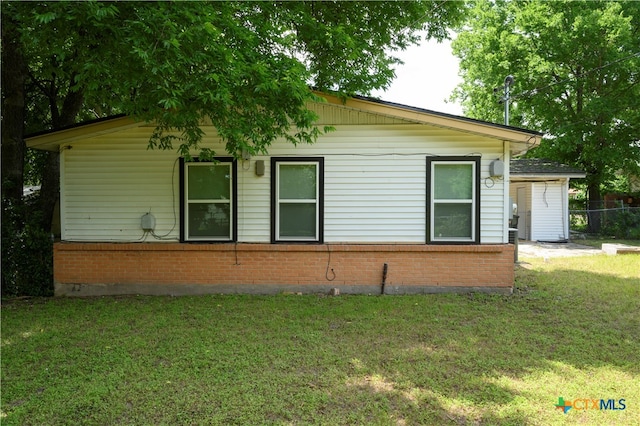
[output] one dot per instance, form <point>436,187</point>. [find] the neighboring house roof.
<point>521,139</point>
<point>542,168</point>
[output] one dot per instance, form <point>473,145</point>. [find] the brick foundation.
<point>172,268</point>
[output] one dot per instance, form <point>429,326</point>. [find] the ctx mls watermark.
<point>590,404</point>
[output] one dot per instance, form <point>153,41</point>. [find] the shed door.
<point>522,212</point>
<point>549,216</point>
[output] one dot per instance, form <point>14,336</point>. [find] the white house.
<point>396,199</point>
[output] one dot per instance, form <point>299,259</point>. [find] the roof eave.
<point>521,139</point>
<point>547,176</point>
<point>51,140</point>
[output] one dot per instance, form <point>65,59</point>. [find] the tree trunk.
<point>13,110</point>
<point>50,190</point>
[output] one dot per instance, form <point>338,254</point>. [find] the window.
<point>208,194</point>
<point>297,199</point>
<point>453,188</point>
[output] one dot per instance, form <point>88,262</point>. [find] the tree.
<point>576,67</point>
<point>13,107</point>
<point>246,66</point>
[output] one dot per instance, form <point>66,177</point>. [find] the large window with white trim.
<point>297,199</point>
<point>453,199</point>
<point>208,207</point>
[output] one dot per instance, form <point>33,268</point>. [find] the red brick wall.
<point>352,267</point>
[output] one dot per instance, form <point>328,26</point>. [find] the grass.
<point>571,329</point>
<point>597,242</point>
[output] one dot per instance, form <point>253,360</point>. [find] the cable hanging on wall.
<point>326,274</point>
<point>173,205</point>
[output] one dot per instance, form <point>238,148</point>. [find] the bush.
<point>624,224</point>
<point>27,253</point>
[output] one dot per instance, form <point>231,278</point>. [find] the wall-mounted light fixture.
<point>259,167</point>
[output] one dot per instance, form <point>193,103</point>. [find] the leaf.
<point>45,18</point>
<point>247,66</point>
<point>576,78</point>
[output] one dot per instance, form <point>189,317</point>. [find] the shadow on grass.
<point>481,359</point>
<point>435,359</point>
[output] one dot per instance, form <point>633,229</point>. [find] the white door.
<point>522,212</point>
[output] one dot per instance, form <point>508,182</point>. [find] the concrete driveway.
<point>546,250</point>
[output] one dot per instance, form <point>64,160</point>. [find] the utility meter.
<point>148,222</point>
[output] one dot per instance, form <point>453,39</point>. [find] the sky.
<point>427,78</point>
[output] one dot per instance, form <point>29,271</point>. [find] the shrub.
<point>624,224</point>
<point>27,253</point>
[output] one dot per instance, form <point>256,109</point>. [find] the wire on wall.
<point>489,182</point>
<point>143,238</point>
<point>387,154</point>
<point>326,274</point>
<point>173,203</point>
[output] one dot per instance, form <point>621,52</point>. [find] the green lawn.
<point>571,329</point>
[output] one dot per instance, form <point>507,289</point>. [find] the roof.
<point>81,124</point>
<point>521,139</point>
<point>540,167</point>
<point>446,115</point>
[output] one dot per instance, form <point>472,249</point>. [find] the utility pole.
<point>508,81</point>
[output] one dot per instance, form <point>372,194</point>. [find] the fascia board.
<point>526,139</point>
<point>539,177</point>
<point>51,141</point>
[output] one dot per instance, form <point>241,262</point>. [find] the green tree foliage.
<point>577,78</point>
<point>246,66</point>
<point>27,252</point>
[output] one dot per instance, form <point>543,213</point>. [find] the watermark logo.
<point>590,404</point>
<point>563,405</point>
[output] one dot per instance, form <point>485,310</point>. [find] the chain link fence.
<point>619,222</point>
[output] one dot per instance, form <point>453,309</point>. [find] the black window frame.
<point>234,201</point>
<point>476,208</point>
<point>319,203</point>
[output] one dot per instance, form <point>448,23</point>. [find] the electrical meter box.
<point>148,222</point>
<point>496,168</point>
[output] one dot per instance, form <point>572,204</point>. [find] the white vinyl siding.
<point>110,182</point>
<point>374,199</point>
<point>374,188</point>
